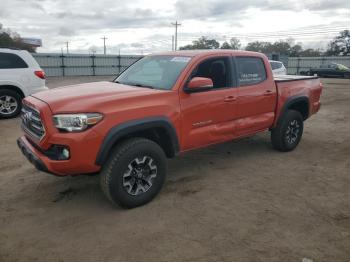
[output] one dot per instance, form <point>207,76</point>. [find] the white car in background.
<point>20,76</point>
<point>278,68</point>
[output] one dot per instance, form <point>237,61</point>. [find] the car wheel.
<point>134,173</point>
<point>288,132</point>
<point>10,103</point>
<point>347,76</point>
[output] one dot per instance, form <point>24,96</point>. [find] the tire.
<point>347,76</point>
<point>10,103</point>
<point>135,165</point>
<point>288,132</point>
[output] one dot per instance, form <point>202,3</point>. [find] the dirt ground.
<point>240,201</point>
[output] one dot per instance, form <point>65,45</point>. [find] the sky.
<point>144,26</point>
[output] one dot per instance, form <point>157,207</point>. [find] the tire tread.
<point>118,152</point>
<point>277,136</point>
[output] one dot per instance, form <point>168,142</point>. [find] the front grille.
<point>31,122</point>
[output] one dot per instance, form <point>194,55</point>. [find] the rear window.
<point>11,61</point>
<point>275,65</point>
<point>251,70</point>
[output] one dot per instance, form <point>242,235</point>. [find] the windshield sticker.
<point>181,59</point>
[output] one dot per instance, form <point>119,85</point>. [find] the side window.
<point>11,61</point>
<point>217,69</point>
<point>251,70</point>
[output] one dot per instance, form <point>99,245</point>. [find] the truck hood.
<point>89,97</point>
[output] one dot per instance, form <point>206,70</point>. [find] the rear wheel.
<point>288,132</point>
<point>135,172</point>
<point>347,76</point>
<point>10,103</point>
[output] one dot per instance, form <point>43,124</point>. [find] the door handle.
<point>268,93</point>
<point>230,99</point>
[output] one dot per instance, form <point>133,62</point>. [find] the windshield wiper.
<point>138,85</point>
<point>135,84</point>
<point>141,85</point>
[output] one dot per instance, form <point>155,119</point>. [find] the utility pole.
<point>67,47</point>
<point>176,24</point>
<point>104,44</point>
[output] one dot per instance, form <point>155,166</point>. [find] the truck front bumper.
<point>43,161</point>
<point>29,152</point>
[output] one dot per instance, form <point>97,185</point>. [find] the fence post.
<point>298,66</point>
<point>119,65</point>
<point>63,66</point>
<point>93,65</point>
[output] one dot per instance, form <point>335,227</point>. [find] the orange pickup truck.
<point>161,106</point>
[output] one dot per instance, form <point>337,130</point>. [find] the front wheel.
<point>135,172</point>
<point>10,103</point>
<point>288,132</point>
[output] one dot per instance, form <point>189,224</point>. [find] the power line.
<point>290,33</point>
<point>176,24</point>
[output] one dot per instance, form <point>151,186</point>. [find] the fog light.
<point>65,153</point>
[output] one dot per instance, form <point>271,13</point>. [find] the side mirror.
<point>198,84</point>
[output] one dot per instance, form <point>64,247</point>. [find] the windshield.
<point>159,72</point>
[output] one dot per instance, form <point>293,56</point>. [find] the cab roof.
<point>197,53</point>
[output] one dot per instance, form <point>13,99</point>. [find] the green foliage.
<point>340,45</point>
<point>258,46</point>
<point>287,48</point>
<point>310,52</point>
<point>202,43</point>
<point>12,39</point>
<point>234,44</point>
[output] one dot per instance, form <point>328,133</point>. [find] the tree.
<point>310,52</point>
<point>295,50</point>
<point>257,46</point>
<point>202,43</point>
<point>234,44</point>
<point>340,45</point>
<point>13,39</point>
<point>282,47</point>
<point>288,48</point>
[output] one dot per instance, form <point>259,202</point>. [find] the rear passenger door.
<point>256,96</point>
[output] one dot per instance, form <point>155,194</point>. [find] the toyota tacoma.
<point>161,106</point>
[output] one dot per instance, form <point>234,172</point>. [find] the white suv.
<point>278,68</point>
<point>20,76</point>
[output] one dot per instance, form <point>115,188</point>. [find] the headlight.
<point>76,122</point>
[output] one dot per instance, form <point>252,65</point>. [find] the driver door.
<point>207,116</point>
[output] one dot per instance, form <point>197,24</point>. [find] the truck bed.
<point>288,78</point>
